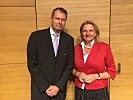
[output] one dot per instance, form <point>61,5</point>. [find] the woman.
<point>94,65</point>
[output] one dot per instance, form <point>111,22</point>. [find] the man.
<point>49,69</point>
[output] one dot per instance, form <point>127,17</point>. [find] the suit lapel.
<point>50,44</point>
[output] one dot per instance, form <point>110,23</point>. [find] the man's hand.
<point>52,91</point>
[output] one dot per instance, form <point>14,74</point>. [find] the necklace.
<point>89,47</point>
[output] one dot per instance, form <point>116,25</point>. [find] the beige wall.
<point>78,11</point>
<point>18,18</point>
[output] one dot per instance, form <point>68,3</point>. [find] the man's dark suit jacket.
<point>45,68</point>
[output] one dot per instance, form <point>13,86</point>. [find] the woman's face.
<point>88,32</point>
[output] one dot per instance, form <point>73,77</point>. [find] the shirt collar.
<point>53,33</point>
<point>83,44</point>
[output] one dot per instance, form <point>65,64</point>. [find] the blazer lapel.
<point>50,44</point>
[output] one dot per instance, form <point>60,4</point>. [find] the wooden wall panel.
<point>14,82</point>
<point>17,3</point>
<point>121,2</point>
<point>122,47</point>
<point>78,11</point>
<point>16,24</point>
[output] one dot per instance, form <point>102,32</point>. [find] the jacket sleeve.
<point>110,64</point>
<point>32,62</point>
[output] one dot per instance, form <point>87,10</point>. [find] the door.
<point>121,40</point>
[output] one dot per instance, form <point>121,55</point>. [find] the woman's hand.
<point>90,78</point>
<point>81,76</point>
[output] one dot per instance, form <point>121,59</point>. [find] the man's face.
<point>58,21</point>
